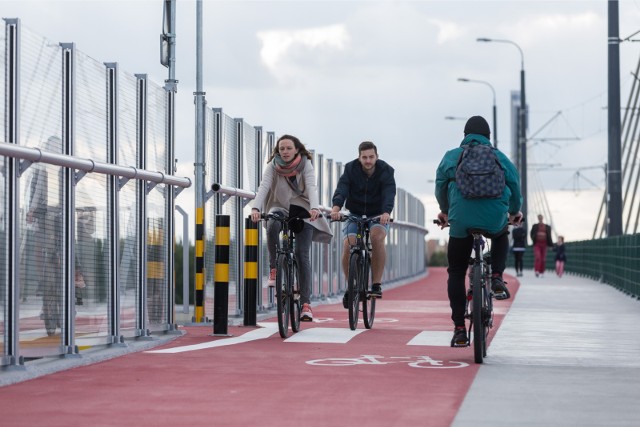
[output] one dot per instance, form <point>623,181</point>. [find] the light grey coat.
<point>274,193</point>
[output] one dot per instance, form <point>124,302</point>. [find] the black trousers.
<point>518,255</point>
<point>458,255</point>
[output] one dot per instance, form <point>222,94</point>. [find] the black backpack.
<point>479,174</point>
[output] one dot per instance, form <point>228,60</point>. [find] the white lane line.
<point>433,338</point>
<point>325,335</point>
<point>266,331</point>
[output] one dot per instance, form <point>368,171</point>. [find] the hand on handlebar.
<point>255,215</point>
<point>384,218</point>
<point>443,220</point>
<point>515,219</point>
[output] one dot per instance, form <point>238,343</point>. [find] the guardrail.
<point>612,260</point>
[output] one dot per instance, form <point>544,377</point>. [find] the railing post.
<point>142,225</point>
<point>69,349</point>
<point>250,272</point>
<point>221,276</point>
<point>11,343</point>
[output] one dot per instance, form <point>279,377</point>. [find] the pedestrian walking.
<point>541,237</point>
<point>519,235</point>
<point>561,257</point>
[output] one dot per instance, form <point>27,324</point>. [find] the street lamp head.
<point>483,39</point>
<point>462,79</point>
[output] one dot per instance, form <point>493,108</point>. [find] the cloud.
<point>448,31</point>
<point>280,47</point>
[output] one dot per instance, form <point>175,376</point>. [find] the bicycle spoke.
<point>282,296</point>
<point>368,303</point>
<point>477,318</point>
<point>294,300</point>
<point>354,290</point>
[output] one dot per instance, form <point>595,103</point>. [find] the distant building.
<point>434,246</point>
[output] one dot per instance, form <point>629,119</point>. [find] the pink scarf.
<point>290,169</point>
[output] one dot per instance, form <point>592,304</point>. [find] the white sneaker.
<point>306,315</point>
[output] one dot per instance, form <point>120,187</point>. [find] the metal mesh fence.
<point>66,229</point>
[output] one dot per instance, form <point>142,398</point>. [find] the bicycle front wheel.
<point>354,289</point>
<point>282,295</point>
<point>294,291</point>
<point>477,287</point>
<point>368,302</point>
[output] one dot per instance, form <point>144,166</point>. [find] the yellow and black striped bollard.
<point>221,275</point>
<point>250,272</point>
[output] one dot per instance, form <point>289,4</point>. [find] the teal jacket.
<point>486,214</point>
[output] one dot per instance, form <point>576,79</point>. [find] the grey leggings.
<point>302,251</point>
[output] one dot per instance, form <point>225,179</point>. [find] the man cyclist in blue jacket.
<point>368,187</point>
<point>463,214</point>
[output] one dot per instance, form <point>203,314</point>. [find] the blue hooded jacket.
<point>485,214</point>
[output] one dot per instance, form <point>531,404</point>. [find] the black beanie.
<point>477,124</point>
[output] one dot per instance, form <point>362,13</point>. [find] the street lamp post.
<point>522,125</point>
<point>495,120</point>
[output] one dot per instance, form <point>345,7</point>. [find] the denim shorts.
<point>351,228</point>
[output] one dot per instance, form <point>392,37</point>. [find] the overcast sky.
<point>336,73</point>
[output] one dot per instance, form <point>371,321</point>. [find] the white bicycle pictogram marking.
<point>368,359</point>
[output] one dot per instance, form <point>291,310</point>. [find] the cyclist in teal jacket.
<point>463,214</point>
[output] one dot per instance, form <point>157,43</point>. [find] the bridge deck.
<point>564,352</point>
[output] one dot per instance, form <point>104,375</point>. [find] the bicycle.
<point>481,313</point>
<point>287,279</point>
<point>480,294</point>
<point>359,281</point>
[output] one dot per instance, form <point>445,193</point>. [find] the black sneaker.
<point>499,288</point>
<point>345,301</point>
<point>460,338</point>
<point>376,290</point>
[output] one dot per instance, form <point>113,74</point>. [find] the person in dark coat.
<point>561,257</point>
<point>519,235</point>
<point>367,187</point>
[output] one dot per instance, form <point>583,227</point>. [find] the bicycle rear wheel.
<point>353,290</point>
<point>479,345</point>
<point>294,289</point>
<point>282,295</point>
<point>368,302</point>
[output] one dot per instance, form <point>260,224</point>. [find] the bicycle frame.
<point>481,313</point>
<point>287,284</point>
<point>479,293</point>
<point>359,273</point>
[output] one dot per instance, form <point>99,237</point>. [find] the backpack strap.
<point>464,148</point>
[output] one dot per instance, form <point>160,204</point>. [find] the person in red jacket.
<point>541,237</point>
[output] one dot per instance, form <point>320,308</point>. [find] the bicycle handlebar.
<point>439,223</point>
<point>357,218</point>
<point>280,217</point>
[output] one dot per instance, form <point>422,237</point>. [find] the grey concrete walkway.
<point>567,354</point>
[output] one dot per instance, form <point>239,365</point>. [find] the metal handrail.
<point>88,165</point>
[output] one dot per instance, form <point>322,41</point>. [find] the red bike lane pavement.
<point>400,373</point>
